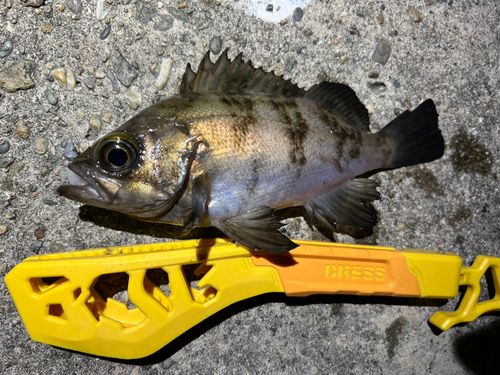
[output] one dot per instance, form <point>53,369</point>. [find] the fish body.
<point>277,152</point>
<point>238,143</point>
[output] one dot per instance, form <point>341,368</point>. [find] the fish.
<point>237,143</point>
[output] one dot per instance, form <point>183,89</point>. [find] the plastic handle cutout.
<point>469,309</point>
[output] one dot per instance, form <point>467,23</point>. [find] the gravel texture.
<point>450,55</point>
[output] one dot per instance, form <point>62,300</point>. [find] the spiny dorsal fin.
<point>237,77</point>
<point>341,101</point>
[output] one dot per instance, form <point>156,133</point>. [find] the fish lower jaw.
<point>80,193</point>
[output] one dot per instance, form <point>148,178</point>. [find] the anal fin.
<point>347,204</point>
<point>257,229</point>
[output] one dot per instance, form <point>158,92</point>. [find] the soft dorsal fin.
<point>237,77</point>
<point>340,100</point>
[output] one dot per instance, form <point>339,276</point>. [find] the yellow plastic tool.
<point>67,299</point>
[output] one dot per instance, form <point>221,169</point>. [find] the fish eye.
<point>118,157</point>
<point>117,154</point>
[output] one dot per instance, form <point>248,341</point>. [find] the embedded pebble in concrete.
<point>123,70</point>
<point>166,66</point>
<point>89,83</point>
<point>298,13</point>
<point>95,124</point>
<point>414,15</point>
<point>60,121</point>
<point>39,233</point>
<point>377,87</point>
<point>47,12</point>
<point>382,52</point>
<point>3,229</point>
<point>51,97</point>
<point>102,9</point>
<point>41,146</point>
<point>22,130</point>
<point>114,82</point>
<point>34,3</point>
<point>4,147</point>
<point>215,45</point>
<point>70,79</point>
<point>134,96</point>
<point>163,23</point>
<point>75,6</point>
<point>6,48</point>
<point>105,33</point>
<point>70,151</point>
<point>46,28</point>
<point>178,14</point>
<point>166,364</point>
<point>60,75</point>
<point>155,70</point>
<point>106,117</point>
<point>5,161</point>
<point>100,74</point>
<point>36,246</point>
<point>17,76</point>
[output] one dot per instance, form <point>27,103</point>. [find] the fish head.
<point>140,169</point>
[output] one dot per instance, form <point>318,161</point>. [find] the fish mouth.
<point>83,188</point>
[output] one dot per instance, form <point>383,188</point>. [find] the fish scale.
<point>238,143</point>
<point>265,144</point>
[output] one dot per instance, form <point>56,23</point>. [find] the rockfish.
<point>238,143</point>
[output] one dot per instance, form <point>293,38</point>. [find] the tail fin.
<point>416,135</point>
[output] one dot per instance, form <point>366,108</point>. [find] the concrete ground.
<point>444,50</point>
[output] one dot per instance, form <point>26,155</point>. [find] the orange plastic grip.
<point>315,268</point>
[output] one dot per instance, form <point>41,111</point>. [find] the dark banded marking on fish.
<point>281,111</point>
<point>240,128</point>
<point>297,133</point>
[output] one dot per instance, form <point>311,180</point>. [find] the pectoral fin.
<point>347,204</point>
<point>258,230</point>
<point>196,213</point>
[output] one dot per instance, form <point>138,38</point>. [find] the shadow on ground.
<point>479,351</point>
<point>119,221</point>
<point>195,332</point>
